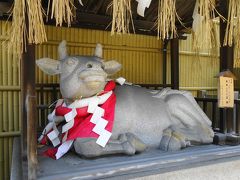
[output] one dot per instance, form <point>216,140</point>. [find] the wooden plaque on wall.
<point>226,92</point>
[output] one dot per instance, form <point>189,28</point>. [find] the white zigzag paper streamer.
<point>99,128</point>
<point>96,119</point>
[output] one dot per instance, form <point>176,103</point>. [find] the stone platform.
<point>150,163</point>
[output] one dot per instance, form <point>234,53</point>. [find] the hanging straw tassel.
<point>166,19</point>
<point>122,16</point>
<point>232,33</point>
<point>62,11</point>
<point>17,33</point>
<point>36,29</point>
<point>203,33</point>
<point>237,41</point>
<point>232,13</point>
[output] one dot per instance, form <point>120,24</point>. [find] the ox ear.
<point>98,50</point>
<point>62,50</point>
<point>111,67</point>
<point>49,66</point>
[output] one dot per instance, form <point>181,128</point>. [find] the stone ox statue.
<point>167,119</point>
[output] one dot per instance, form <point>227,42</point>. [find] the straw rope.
<point>121,16</point>
<point>165,22</point>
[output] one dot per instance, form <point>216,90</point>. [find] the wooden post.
<point>175,63</point>
<point>226,62</point>
<point>29,130</point>
<point>226,52</point>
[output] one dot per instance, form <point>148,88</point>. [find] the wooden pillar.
<point>226,62</point>
<point>174,63</point>
<point>28,112</point>
<point>29,130</point>
<point>226,52</point>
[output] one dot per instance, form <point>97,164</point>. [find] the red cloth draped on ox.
<point>82,127</point>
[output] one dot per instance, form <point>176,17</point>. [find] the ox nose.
<point>92,65</point>
<point>89,65</point>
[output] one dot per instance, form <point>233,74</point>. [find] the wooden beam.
<point>175,63</point>
<point>103,22</point>
<point>5,8</point>
<point>97,6</point>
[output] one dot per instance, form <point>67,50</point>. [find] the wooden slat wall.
<point>9,102</point>
<point>140,55</point>
<point>197,69</point>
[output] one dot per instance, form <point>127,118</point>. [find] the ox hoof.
<point>128,148</point>
<point>122,138</point>
<point>134,141</point>
<point>172,141</point>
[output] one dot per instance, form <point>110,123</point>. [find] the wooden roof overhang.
<point>96,14</point>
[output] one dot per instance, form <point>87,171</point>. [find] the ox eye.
<point>70,62</point>
<point>102,66</point>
